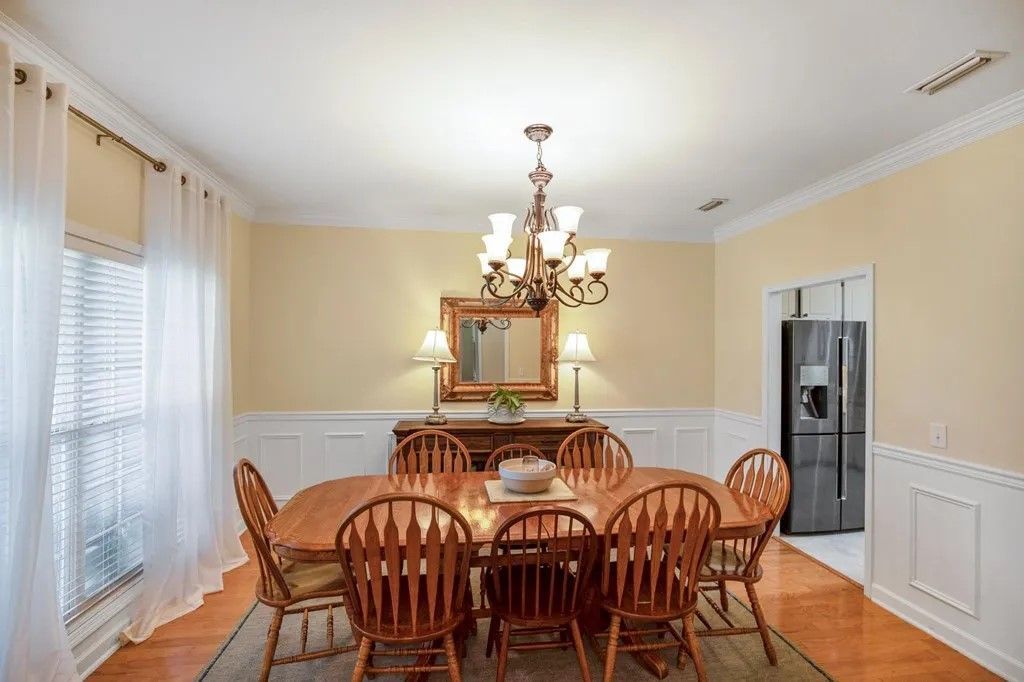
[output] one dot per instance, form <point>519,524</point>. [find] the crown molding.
<point>990,119</point>
<point>92,98</point>
<point>298,218</point>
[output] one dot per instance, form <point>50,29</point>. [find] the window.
<point>96,438</point>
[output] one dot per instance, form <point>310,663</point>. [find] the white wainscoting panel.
<point>643,445</point>
<point>298,449</point>
<point>280,459</point>
<point>734,434</point>
<point>691,449</point>
<point>944,536</point>
<point>344,454</point>
<point>946,552</point>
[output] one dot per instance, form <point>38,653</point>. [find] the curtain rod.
<point>20,76</point>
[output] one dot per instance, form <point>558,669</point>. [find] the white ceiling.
<point>410,114</point>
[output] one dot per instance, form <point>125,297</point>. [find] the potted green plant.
<point>505,406</point>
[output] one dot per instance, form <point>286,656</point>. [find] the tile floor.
<point>842,551</point>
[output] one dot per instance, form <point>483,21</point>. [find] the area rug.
<point>726,658</point>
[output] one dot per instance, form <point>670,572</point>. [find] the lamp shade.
<point>568,218</point>
<point>577,349</point>
<point>434,348</point>
<point>501,223</point>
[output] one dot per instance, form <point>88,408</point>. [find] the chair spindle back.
<point>541,561</point>
<point>661,536</point>
<point>762,474</point>
<point>257,507</point>
<point>594,448</point>
<point>404,549</point>
<point>429,451</point>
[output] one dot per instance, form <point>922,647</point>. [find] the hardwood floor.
<point>821,612</point>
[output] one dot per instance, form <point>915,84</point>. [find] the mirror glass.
<point>494,350</point>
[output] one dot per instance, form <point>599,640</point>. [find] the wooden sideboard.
<point>482,437</point>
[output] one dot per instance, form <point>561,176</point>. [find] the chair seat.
<point>549,601</point>
<point>725,563</point>
<point>398,623</point>
<point>310,578</point>
<point>641,602</point>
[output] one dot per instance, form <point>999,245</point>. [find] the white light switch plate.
<point>937,435</point>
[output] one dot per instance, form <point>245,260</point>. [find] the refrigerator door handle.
<point>844,355</point>
<point>842,471</point>
<point>844,372</point>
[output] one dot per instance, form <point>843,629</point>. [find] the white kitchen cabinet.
<point>822,302</point>
<point>855,299</point>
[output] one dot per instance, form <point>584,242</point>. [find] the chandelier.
<point>553,268</point>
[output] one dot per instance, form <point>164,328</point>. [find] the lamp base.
<point>436,419</point>
<point>576,417</point>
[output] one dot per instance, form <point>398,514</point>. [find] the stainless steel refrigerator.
<point>823,408</point>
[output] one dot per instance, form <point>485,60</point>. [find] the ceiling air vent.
<point>951,73</point>
<point>711,205</point>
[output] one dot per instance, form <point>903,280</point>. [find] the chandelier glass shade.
<point>553,268</point>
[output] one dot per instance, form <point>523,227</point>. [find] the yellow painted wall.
<point>338,312</point>
<point>947,240</point>
<point>104,184</point>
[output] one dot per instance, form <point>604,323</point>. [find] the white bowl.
<point>519,481</point>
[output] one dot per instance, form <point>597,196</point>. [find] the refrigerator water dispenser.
<point>813,391</point>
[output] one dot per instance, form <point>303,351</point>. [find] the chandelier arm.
<point>567,299</point>
<point>565,265</point>
<point>495,291</point>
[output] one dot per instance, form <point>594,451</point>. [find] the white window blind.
<point>96,438</point>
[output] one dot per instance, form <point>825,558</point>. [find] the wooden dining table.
<point>304,528</point>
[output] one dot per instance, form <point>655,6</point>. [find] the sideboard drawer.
<point>481,437</point>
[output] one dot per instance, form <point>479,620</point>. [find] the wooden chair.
<point>512,451</point>
<point>539,568</point>
<point>594,448</point>
<point>429,451</point>
<point>405,559</point>
<point>285,585</point>
<point>763,475</point>
<point>661,537</point>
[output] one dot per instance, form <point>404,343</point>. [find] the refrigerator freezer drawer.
<point>814,469</point>
<point>852,512</point>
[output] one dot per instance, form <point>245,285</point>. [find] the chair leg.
<point>369,661</point>
<point>506,634</point>
<point>271,646</point>
<point>492,634</point>
<point>762,625</point>
<point>581,653</point>
<point>694,648</point>
<point>454,673</point>
<point>723,595</point>
<point>613,645</point>
<point>364,655</point>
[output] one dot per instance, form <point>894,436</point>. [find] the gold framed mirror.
<point>512,347</point>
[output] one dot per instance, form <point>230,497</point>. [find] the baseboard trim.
<point>970,646</point>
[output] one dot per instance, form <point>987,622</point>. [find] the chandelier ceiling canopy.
<point>553,268</point>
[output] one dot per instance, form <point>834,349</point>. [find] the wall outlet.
<point>937,435</point>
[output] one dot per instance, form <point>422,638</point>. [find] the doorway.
<point>818,412</point>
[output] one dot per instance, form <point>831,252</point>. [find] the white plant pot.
<point>503,415</point>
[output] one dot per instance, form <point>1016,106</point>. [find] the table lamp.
<point>435,350</point>
<point>576,350</point>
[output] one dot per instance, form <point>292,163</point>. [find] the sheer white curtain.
<point>33,155</point>
<point>189,536</point>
